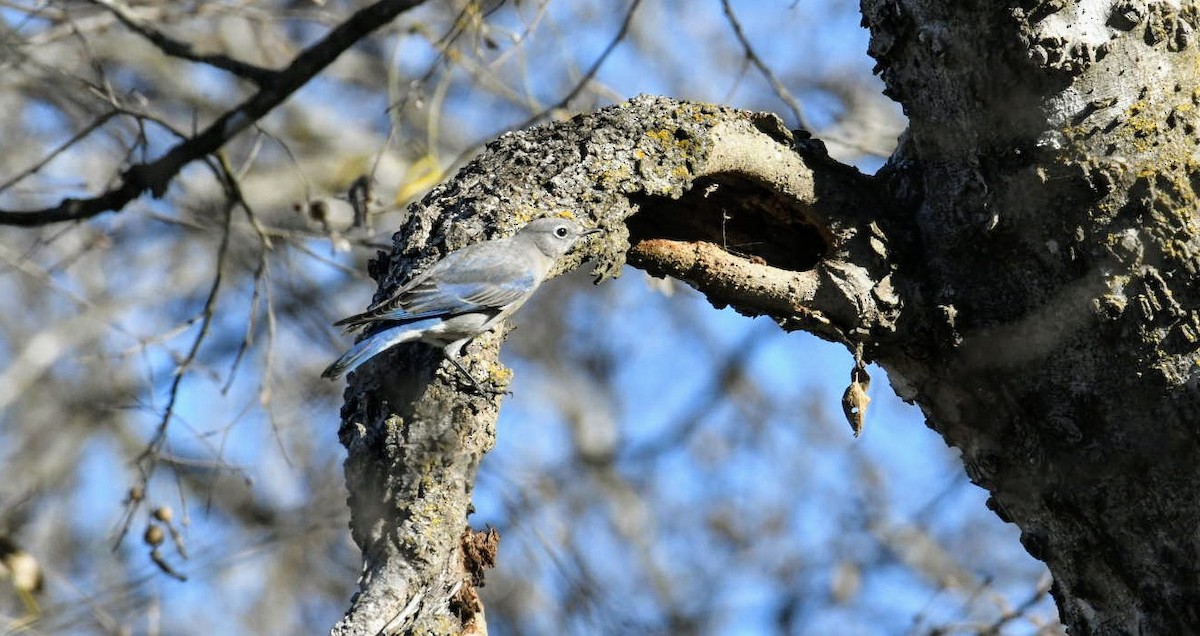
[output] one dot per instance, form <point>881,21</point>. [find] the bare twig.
<point>442,44</point>
<point>592,70</point>
<point>77,137</point>
<point>251,321</point>
<point>184,50</point>
<point>1022,609</point>
<point>575,91</point>
<point>149,457</point>
<point>780,90</point>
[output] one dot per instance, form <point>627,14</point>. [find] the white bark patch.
<point>1083,22</point>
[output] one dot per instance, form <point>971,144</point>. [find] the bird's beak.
<point>592,230</point>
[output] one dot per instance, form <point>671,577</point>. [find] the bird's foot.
<point>489,391</point>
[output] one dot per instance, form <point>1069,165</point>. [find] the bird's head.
<point>554,236</point>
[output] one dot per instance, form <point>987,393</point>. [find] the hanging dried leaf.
<point>855,399</point>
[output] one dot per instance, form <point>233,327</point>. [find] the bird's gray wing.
<point>479,280</point>
<point>484,277</point>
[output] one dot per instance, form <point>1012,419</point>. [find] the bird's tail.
<point>369,348</point>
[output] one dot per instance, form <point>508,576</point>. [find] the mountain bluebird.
<point>463,295</point>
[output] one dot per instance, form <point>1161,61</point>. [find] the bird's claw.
<point>479,388</point>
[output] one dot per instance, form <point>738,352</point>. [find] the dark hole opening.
<point>743,217</point>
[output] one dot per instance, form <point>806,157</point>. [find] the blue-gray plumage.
<point>463,295</point>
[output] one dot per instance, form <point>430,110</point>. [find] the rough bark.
<point>1024,267</point>
<point>1050,176</point>
<point>692,173</point>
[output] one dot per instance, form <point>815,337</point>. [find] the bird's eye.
<point>561,232</point>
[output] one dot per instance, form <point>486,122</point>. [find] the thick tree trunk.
<point>1049,175</point>
<point>1025,268</point>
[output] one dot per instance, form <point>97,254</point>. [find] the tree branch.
<point>694,187</point>
<point>184,50</point>
<point>726,278</point>
<point>157,175</point>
